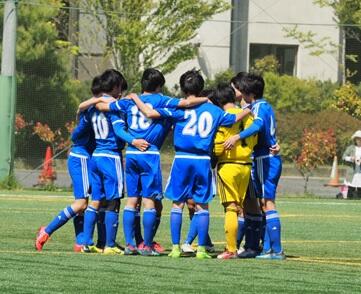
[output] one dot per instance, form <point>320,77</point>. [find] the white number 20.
<point>202,125</point>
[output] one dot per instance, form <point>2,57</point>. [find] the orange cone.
<point>47,174</point>
<point>334,177</point>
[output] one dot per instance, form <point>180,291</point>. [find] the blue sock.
<point>256,225</point>
<point>101,228</point>
<point>156,225</point>
<point>241,231</point>
<point>137,228</point>
<point>60,220</point>
<point>273,225</point>
<point>176,225</point>
<point>90,217</point>
<point>149,217</point>
<point>202,226</point>
<point>266,242</point>
<point>79,228</point>
<point>193,230</point>
<point>111,227</point>
<point>129,216</point>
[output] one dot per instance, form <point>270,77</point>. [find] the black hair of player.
<point>112,78</point>
<point>191,83</point>
<point>152,80</point>
<point>224,94</point>
<point>252,84</point>
<point>96,86</point>
<point>236,80</point>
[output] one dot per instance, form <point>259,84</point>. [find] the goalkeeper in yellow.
<point>233,167</point>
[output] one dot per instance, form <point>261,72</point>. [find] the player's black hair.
<point>236,80</point>
<point>191,82</point>
<point>152,79</point>
<point>252,84</point>
<point>223,94</point>
<point>96,86</point>
<point>112,78</point>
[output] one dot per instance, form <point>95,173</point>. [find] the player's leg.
<point>111,169</point>
<point>78,171</point>
<point>101,224</point>
<point>139,241</point>
<point>159,208</point>
<point>192,231</point>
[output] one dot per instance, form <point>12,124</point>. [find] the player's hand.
<point>140,144</point>
<point>275,149</point>
<point>230,142</point>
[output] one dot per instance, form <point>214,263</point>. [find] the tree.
<point>317,147</point>
<point>150,33</point>
<point>348,100</point>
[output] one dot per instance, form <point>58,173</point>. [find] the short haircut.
<point>191,82</point>
<point>96,86</point>
<point>152,79</point>
<point>252,84</point>
<point>224,94</point>
<point>236,80</point>
<point>112,78</point>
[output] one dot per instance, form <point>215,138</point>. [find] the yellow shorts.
<point>232,182</point>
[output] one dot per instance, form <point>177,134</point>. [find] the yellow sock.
<point>230,228</point>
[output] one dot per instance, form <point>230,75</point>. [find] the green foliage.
<point>148,33</point>
<point>10,183</point>
<point>222,77</point>
<point>291,94</point>
<point>348,100</point>
<point>268,63</point>
<point>291,127</point>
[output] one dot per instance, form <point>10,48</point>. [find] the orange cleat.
<point>77,247</point>
<point>41,238</point>
<point>157,247</point>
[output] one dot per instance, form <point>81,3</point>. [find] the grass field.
<point>321,237</point>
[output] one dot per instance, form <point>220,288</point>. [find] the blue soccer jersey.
<point>153,131</point>
<point>195,128</point>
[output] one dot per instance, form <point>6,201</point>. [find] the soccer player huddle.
<point>225,144</point>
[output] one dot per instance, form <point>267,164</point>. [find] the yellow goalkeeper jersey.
<point>242,151</point>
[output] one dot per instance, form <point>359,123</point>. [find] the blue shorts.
<point>78,167</point>
<point>191,178</point>
<point>106,176</point>
<point>143,174</point>
<point>266,174</point>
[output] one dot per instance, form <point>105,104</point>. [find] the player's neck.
<point>228,106</point>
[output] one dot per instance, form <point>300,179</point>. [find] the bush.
<point>291,127</point>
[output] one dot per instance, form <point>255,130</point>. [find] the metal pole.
<point>8,89</point>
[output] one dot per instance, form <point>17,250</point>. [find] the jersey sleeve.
<point>253,129</point>
<point>251,140</point>
<point>175,115</point>
<point>120,105</point>
<point>168,102</point>
<point>83,127</point>
<point>227,119</point>
<point>119,127</point>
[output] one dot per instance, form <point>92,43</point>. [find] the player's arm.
<point>92,101</point>
<point>146,110</point>
<point>83,127</point>
<point>253,129</point>
<point>120,132</point>
<point>192,101</point>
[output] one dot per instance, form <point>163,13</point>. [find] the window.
<point>353,47</point>
<point>285,54</point>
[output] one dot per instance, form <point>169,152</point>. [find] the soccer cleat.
<point>187,248</point>
<point>265,255</point>
<point>202,254</point>
<point>157,247</point>
<point>210,249</point>
<point>140,246</point>
<point>148,251</point>
<point>113,251</point>
<point>175,253</point>
<point>278,256</point>
<point>240,250</point>
<point>77,247</point>
<point>227,255</point>
<point>91,249</point>
<point>41,238</point>
<point>130,250</point>
<point>248,253</point>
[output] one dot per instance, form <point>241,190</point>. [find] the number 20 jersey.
<point>195,128</point>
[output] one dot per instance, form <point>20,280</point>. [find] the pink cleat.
<point>41,238</point>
